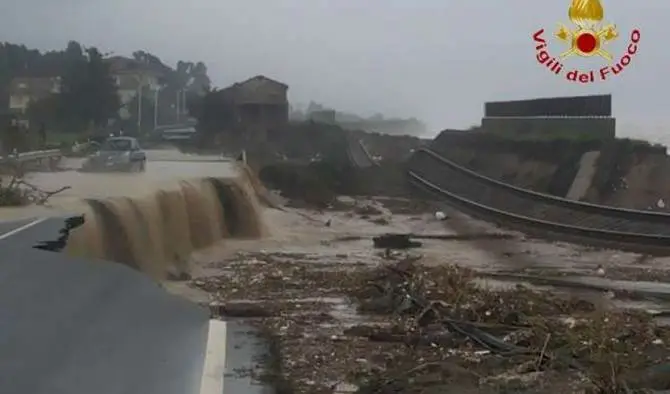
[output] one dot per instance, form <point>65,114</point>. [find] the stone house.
<point>258,105</point>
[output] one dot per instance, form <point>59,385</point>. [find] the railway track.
<point>536,213</point>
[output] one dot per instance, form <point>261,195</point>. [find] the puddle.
<point>660,289</point>
<point>245,357</point>
<point>639,288</point>
<point>338,307</point>
<point>598,294</point>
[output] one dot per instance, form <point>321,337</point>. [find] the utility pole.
<point>139,105</point>
<point>156,107</point>
<point>184,109</point>
<point>181,103</point>
<point>177,106</point>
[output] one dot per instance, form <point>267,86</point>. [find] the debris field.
<point>393,325</point>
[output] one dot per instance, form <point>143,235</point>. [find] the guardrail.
<point>359,154</point>
<point>28,156</point>
<point>502,203</point>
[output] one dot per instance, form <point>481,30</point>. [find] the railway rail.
<point>537,213</point>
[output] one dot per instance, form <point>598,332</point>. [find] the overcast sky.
<point>438,60</point>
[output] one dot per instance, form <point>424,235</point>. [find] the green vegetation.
<point>88,94</point>
<point>88,101</point>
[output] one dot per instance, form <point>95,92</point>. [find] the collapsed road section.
<point>97,323</point>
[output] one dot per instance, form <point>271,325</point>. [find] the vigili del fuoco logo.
<point>588,38</point>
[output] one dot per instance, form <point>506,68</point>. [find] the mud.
<point>153,221</point>
<point>302,286</point>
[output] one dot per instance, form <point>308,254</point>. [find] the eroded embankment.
<point>626,173</point>
<point>156,233</point>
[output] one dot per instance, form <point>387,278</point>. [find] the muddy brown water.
<point>151,221</point>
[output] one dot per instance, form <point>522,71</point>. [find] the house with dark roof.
<point>259,104</point>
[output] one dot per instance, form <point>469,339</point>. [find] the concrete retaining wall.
<point>581,128</point>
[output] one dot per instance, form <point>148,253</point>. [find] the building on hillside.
<point>130,75</point>
<point>259,104</point>
<point>23,91</point>
<point>327,116</point>
<point>567,118</point>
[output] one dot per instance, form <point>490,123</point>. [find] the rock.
<point>243,310</point>
<point>345,388</point>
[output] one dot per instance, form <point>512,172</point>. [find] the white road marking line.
<point>215,359</point>
<point>24,227</point>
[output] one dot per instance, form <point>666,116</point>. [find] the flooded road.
<point>165,169</point>
<point>151,221</point>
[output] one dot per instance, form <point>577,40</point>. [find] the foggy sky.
<point>438,60</point>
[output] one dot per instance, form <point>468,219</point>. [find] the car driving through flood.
<point>117,154</point>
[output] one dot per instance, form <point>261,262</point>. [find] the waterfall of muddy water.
<point>152,221</point>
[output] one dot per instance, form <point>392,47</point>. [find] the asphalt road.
<point>68,325</point>
<point>30,232</point>
<point>71,326</point>
<point>66,318</point>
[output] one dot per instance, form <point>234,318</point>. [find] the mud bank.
<point>626,173</point>
<point>156,233</point>
<point>318,184</point>
<point>304,141</point>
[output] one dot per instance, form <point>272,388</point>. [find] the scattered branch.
<point>18,192</point>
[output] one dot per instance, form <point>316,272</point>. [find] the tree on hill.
<point>88,94</point>
<point>19,61</point>
<point>187,80</point>
<point>212,112</point>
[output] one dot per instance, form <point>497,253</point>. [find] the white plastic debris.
<point>439,215</point>
<point>570,322</point>
<point>660,203</point>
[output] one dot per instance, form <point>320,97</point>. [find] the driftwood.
<point>395,241</point>
<point>29,193</point>
<point>41,196</point>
